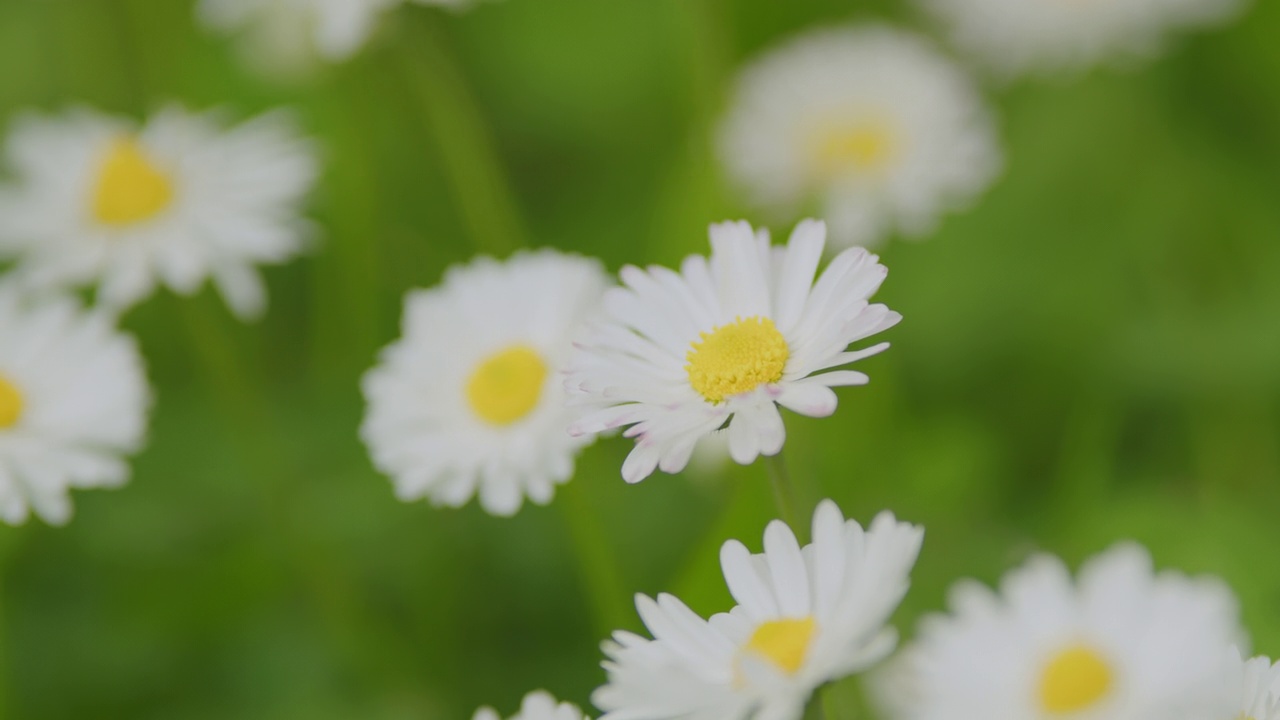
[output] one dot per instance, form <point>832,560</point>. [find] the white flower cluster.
<point>99,202</point>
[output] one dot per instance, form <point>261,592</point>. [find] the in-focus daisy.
<point>1120,643</point>
<point>1252,687</point>
<point>1016,37</point>
<point>99,201</point>
<point>470,400</point>
<point>293,32</point>
<point>538,705</point>
<point>73,403</point>
<point>870,126</point>
<point>726,340</point>
<point>804,617</point>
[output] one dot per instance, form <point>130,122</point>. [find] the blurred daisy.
<point>537,705</point>
<point>98,201</point>
<point>73,403</point>
<point>871,126</point>
<point>804,617</point>
<point>1253,688</point>
<point>292,33</point>
<point>1121,643</point>
<point>469,400</point>
<point>726,341</point>
<point>1015,37</point>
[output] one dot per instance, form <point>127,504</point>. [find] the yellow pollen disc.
<point>783,642</point>
<point>865,147</point>
<point>130,187</point>
<point>10,404</point>
<point>1075,679</point>
<point>736,358</point>
<point>507,386</point>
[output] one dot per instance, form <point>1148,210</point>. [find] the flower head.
<point>469,399</point>
<point>726,340</point>
<point>538,705</point>
<point>73,404</point>
<point>1120,643</point>
<point>805,616</point>
<point>1017,37</point>
<point>871,125</point>
<point>98,201</point>
<point>1252,688</point>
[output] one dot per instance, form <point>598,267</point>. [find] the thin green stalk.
<point>596,560</point>
<point>466,149</point>
<point>784,491</point>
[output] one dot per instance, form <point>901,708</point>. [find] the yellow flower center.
<point>1074,679</point>
<point>865,147</point>
<point>507,386</point>
<point>130,189</point>
<point>10,403</point>
<point>736,358</point>
<point>783,642</point>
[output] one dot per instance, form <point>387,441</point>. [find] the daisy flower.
<point>99,201</point>
<point>870,125</point>
<point>1120,643</point>
<point>726,341</point>
<point>469,400</point>
<point>537,705</point>
<point>73,403</point>
<point>1018,37</point>
<point>804,617</point>
<point>293,32</point>
<point>1253,688</point>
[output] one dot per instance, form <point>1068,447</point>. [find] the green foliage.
<point>1090,354</point>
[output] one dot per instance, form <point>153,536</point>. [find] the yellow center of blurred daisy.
<point>862,147</point>
<point>507,385</point>
<point>1074,679</point>
<point>130,189</point>
<point>783,642</point>
<point>736,358</point>
<point>10,403</point>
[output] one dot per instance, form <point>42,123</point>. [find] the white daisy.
<point>804,617</point>
<point>98,201</point>
<point>1253,688</point>
<point>1120,643</point>
<point>73,403</point>
<point>1016,37</point>
<point>726,341</point>
<point>293,32</point>
<point>538,705</point>
<point>872,126</point>
<point>469,399</point>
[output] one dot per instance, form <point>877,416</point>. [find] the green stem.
<point>784,492</point>
<point>596,560</point>
<point>467,153</point>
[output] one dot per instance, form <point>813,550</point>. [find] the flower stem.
<point>784,492</point>
<point>596,562</point>
<point>467,154</point>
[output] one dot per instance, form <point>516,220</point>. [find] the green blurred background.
<point>1092,353</point>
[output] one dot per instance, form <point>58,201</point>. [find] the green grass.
<point>1092,353</point>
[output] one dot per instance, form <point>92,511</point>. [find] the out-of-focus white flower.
<point>1017,37</point>
<point>73,403</point>
<point>283,36</point>
<point>470,398</point>
<point>1252,688</point>
<point>726,341</point>
<point>871,126</point>
<point>804,617</point>
<point>538,705</point>
<point>99,201</point>
<point>1120,643</point>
